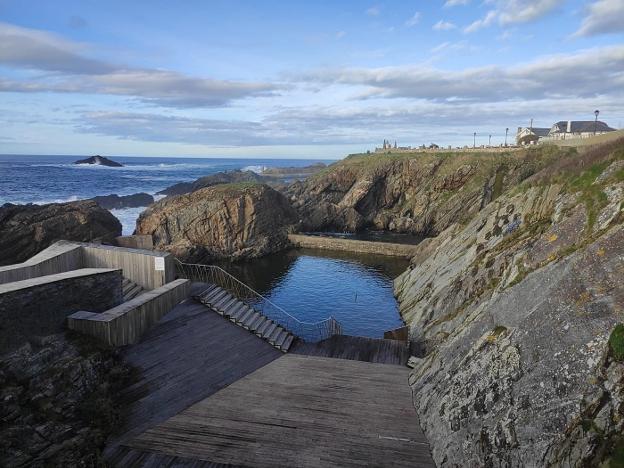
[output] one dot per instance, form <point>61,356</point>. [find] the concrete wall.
<point>39,306</point>
<point>126,323</point>
<point>139,241</point>
<point>140,266</point>
<point>58,258</point>
<point>348,245</point>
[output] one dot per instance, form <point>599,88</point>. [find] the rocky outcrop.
<point>226,221</point>
<point>293,172</point>
<point>99,161</point>
<point>59,402</point>
<point>511,314</point>
<point>412,193</point>
<point>226,177</point>
<point>27,229</point>
<point>116,202</point>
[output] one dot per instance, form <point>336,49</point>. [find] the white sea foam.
<point>256,169</point>
<point>127,217</point>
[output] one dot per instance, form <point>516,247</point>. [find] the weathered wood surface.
<point>190,354</point>
<point>127,322</point>
<point>357,348</point>
<point>129,457</point>
<point>59,257</point>
<point>301,411</point>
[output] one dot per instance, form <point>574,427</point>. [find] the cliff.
<point>514,312</point>
<point>417,193</point>
<point>27,229</point>
<point>226,221</point>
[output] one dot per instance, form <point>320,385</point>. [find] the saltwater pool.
<point>314,284</point>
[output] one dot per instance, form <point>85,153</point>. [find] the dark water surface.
<point>314,284</point>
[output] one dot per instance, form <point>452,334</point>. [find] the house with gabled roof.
<point>565,130</point>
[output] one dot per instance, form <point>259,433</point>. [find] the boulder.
<point>112,202</point>
<point>226,177</point>
<point>27,229</point>
<point>99,161</point>
<point>237,221</point>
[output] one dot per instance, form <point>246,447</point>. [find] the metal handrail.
<point>307,331</point>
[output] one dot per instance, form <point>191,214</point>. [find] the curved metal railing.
<point>307,331</point>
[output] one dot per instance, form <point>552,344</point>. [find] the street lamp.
<point>474,140</point>
<point>506,132</point>
<point>596,112</point>
<point>490,141</point>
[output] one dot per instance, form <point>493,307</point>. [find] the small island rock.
<point>99,161</point>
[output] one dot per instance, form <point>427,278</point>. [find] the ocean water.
<point>44,179</point>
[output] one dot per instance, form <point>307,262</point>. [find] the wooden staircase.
<point>130,289</point>
<point>237,311</point>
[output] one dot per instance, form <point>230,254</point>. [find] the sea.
<point>42,179</point>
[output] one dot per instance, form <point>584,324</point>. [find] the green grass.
<point>616,342</point>
<point>617,454</point>
<point>591,194</point>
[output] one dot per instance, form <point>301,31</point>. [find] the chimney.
<point>569,129</point>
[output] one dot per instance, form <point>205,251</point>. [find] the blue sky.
<point>299,79</point>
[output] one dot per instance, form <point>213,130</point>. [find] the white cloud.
<point>373,11</point>
<point>414,20</point>
<point>452,3</point>
<point>444,26</point>
<point>596,72</point>
<point>31,49</point>
<point>513,11</point>
<point>604,16</point>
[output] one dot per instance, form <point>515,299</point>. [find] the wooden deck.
<point>357,348</point>
<point>191,354</point>
<point>297,411</point>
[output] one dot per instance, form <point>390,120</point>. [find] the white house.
<point>565,130</point>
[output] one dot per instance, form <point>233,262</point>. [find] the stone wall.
<point>39,306</point>
<point>349,245</point>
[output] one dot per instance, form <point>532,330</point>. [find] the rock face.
<point>512,313</point>
<point>227,177</point>
<point>59,402</point>
<point>412,193</point>
<point>112,202</point>
<point>99,161</point>
<point>27,229</point>
<point>226,221</point>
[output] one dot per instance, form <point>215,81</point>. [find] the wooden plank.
<point>301,411</point>
<point>357,348</point>
<point>190,354</point>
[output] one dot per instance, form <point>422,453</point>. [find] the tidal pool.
<point>313,284</point>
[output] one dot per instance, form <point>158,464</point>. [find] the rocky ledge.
<point>226,177</point>
<point>112,202</point>
<point>59,402</point>
<point>233,221</point>
<point>28,229</point>
<point>515,316</point>
<point>99,161</point>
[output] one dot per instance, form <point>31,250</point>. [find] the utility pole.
<point>506,132</point>
<point>596,112</point>
<point>531,127</point>
<point>490,141</point>
<point>474,140</point>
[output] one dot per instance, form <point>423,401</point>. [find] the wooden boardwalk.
<point>357,348</point>
<point>191,354</point>
<point>297,411</point>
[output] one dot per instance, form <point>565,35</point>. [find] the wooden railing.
<point>307,331</point>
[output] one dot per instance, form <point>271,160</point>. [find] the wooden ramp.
<point>358,348</point>
<point>297,411</point>
<point>190,354</point>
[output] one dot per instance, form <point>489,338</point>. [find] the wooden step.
<point>266,332</point>
<point>288,342</point>
<point>221,303</point>
<point>213,299</point>
<point>274,334</point>
<point>206,296</point>
<point>262,330</point>
<point>238,311</point>
<point>280,339</point>
<point>133,292</point>
<point>246,316</point>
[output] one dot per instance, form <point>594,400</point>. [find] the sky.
<point>299,79</point>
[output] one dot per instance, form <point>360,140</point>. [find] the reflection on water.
<point>314,284</point>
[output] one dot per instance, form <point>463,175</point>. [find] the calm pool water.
<point>314,284</point>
